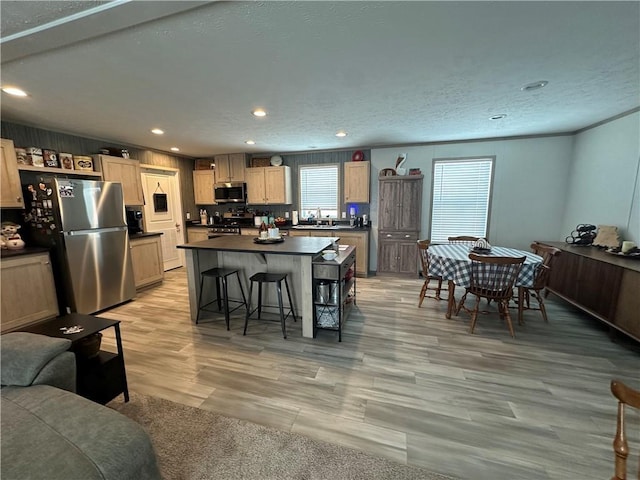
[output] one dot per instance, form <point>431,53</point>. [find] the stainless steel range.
<point>231,224</point>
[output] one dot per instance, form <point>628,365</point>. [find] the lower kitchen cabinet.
<point>397,253</point>
<point>146,256</point>
<point>360,240</point>
<point>299,233</point>
<point>27,289</point>
<point>197,234</point>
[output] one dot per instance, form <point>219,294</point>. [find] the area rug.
<point>192,443</point>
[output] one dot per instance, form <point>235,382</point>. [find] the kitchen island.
<point>293,256</point>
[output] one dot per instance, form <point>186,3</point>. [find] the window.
<point>319,189</point>
<point>461,198</point>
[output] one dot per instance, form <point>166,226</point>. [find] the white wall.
<point>529,190</point>
<point>603,187</point>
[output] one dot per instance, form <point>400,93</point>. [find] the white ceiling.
<point>388,73</point>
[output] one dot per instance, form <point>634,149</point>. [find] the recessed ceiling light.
<point>249,142</point>
<point>534,86</point>
<point>16,92</point>
<point>157,131</point>
<point>259,112</point>
<point>499,116</point>
<point>341,134</point>
<point>175,149</point>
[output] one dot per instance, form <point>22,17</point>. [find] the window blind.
<point>461,195</point>
<point>319,189</point>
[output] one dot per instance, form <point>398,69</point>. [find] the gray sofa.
<point>49,432</point>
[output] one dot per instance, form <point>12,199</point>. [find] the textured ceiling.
<point>388,73</point>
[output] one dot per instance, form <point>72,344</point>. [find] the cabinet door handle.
<point>389,235</point>
<point>407,236</point>
<point>19,199</point>
<point>46,263</point>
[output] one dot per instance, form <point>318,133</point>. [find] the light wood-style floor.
<point>405,383</point>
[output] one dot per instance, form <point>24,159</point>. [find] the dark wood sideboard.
<point>604,285</point>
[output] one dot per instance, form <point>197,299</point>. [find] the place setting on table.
<point>451,262</point>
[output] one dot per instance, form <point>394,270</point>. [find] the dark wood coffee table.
<point>100,378</point>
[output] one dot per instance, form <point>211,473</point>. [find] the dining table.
<point>451,262</point>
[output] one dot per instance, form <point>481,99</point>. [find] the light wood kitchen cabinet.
<point>27,289</point>
<point>147,260</point>
<point>197,234</point>
<point>399,214</point>
<point>268,185</point>
<point>125,171</point>
<point>10,188</point>
<point>299,233</point>
<point>360,240</point>
<point>230,168</point>
<point>356,182</point>
<point>203,181</point>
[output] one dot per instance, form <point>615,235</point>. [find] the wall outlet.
<point>344,214</point>
<point>286,214</point>
<point>188,215</point>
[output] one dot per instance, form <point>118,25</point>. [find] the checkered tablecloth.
<point>451,262</point>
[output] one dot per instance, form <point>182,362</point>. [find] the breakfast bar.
<point>293,256</point>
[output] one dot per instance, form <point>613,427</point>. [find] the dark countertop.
<point>290,227</point>
<point>144,234</point>
<point>6,253</point>
<point>245,243</point>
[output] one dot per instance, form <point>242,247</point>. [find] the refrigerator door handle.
<point>94,230</point>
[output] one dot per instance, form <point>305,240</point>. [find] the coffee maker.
<point>134,220</point>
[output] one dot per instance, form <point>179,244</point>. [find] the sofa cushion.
<point>23,355</point>
<point>48,433</point>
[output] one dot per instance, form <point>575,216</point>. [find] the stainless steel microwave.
<point>232,192</point>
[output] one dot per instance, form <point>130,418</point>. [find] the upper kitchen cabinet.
<point>400,203</point>
<point>268,185</point>
<point>230,168</point>
<point>203,181</point>
<point>125,171</point>
<point>399,213</point>
<point>356,182</point>
<point>10,187</point>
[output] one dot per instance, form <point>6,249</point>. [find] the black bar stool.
<point>221,274</point>
<point>276,278</point>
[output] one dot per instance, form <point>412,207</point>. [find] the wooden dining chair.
<point>423,250</point>
<point>463,239</point>
<point>540,282</point>
<point>626,396</point>
<point>492,278</point>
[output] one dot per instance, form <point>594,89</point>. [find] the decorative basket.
<point>89,347</point>
<point>261,162</point>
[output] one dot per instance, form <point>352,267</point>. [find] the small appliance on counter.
<point>134,221</point>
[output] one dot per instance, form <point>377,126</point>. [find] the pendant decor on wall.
<point>160,200</point>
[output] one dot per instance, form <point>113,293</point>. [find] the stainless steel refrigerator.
<point>83,223</point>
